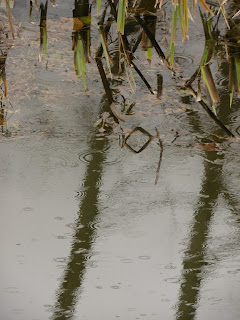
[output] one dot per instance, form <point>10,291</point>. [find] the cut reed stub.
<point>159,85</point>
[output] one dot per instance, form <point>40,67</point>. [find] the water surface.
<point>85,232</point>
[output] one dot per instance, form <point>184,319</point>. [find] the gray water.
<point>85,232</point>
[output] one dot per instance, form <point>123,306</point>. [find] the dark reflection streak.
<point>84,233</point>
<point>82,240</point>
<point>83,237</point>
<point>194,259</point>
<point>212,186</point>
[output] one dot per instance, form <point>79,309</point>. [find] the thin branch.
<point>160,157</point>
<point>176,136</point>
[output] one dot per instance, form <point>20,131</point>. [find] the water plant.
<point>145,15</point>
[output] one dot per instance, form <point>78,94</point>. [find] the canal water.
<point>92,230</point>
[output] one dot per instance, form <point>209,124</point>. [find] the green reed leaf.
<point>122,4</point>
<point>98,6</point>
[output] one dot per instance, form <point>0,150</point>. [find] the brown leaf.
<point>206,7</point>
<point>211,146</point>
<point>77,24</point>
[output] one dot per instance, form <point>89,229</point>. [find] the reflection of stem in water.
<point>194,259</point>
<point>83,237</point>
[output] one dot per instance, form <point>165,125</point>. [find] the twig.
<point>145,144</point>
<point>176,136</point>
<point>160,157</point>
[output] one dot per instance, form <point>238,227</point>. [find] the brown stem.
<point>9,17</point>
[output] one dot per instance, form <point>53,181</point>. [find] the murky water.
<point>85,232</point>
